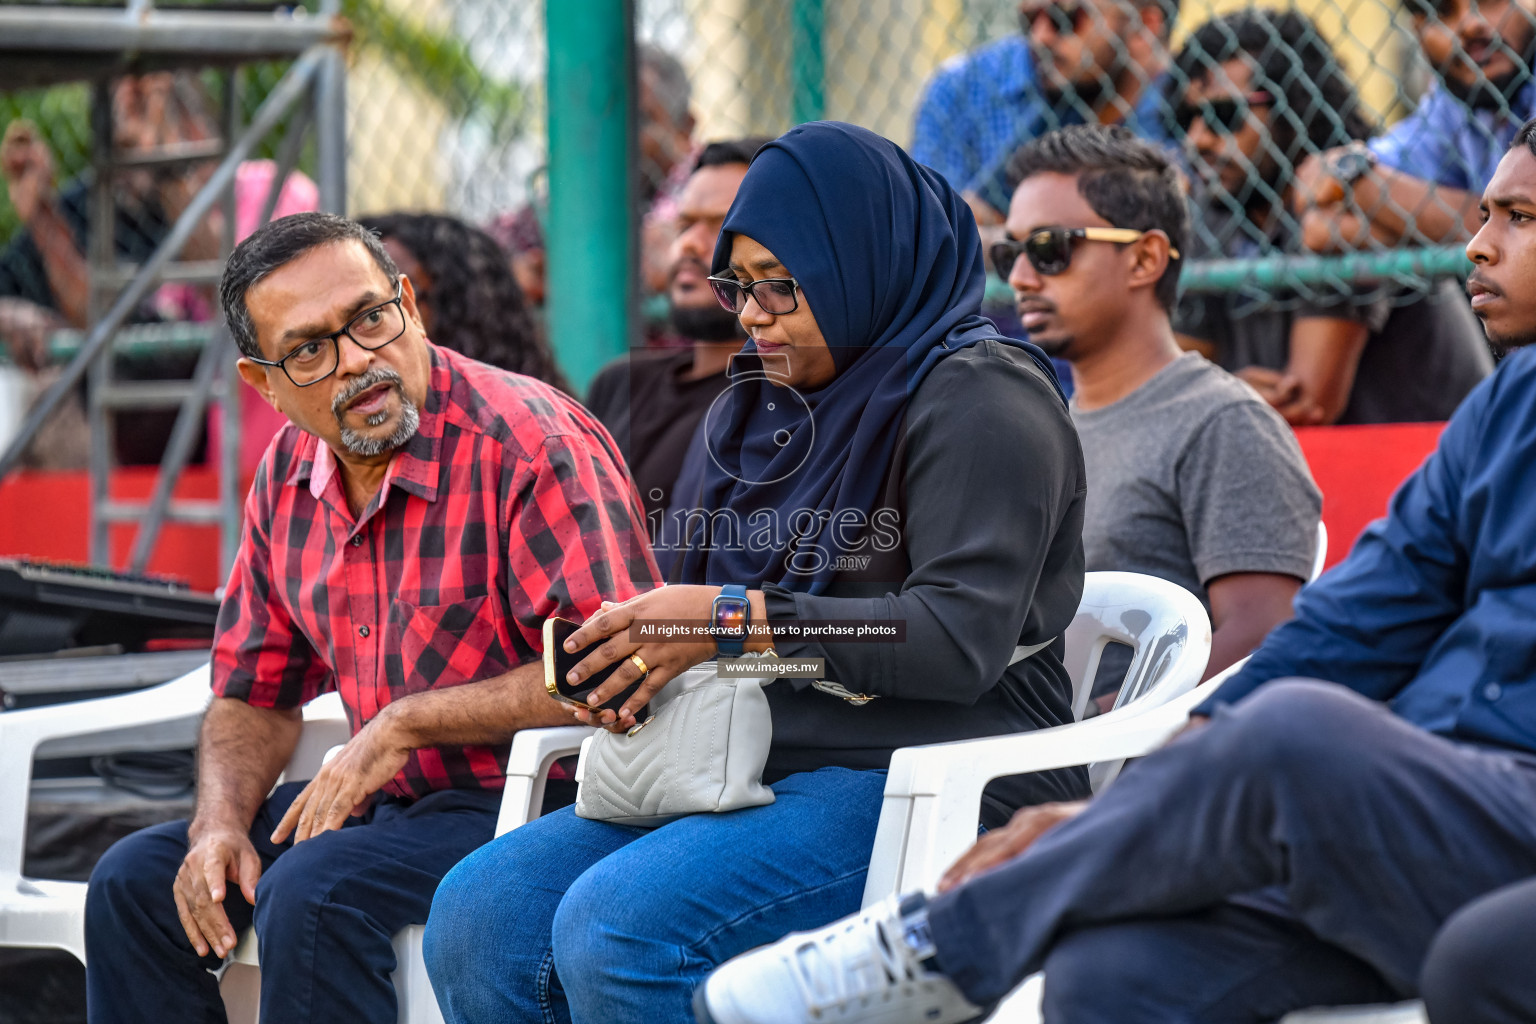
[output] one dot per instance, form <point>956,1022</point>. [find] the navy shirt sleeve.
<point>1370,623</point>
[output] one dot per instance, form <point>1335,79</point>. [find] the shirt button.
<point>362,630</point>
<point>357,541</point>
<point>1493,691</point>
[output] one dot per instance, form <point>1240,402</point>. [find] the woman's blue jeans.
<point>570,920</point>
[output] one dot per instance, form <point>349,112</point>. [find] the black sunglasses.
<point>1049,250</point>
<point>1066,19</point>
<point>1226,114</point>
<point>775,295</point>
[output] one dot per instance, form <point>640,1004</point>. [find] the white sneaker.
<point>859,969</point>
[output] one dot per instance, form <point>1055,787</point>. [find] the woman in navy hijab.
<point>884,458</point>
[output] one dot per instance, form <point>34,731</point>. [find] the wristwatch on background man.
<point>731,614</point>
<point>1351,163</point>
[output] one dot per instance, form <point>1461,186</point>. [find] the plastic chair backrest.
<point>1155,618</point>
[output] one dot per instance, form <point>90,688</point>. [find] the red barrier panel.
<point>1358,469</point>
<point>47,516</point>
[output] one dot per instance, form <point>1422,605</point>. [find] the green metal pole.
<point>808,69</point>
<point>591,245</point>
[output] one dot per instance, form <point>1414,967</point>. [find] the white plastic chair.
<point>933,793</point>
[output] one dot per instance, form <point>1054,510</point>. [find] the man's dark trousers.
<point>1301,849</point>
<point>326,911</point>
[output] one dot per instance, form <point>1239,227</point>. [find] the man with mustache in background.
<point>406,537</point>
<point>652,401</point>
<point>1420,182</point>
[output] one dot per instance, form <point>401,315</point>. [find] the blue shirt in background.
<point>982,106</point>
<point>1434,611</point>
<point>1449,143</point>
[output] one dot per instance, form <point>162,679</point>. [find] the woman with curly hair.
<point>468,299</point>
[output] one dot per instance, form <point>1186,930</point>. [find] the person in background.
<point>1191,477</point>
<point>522,240</point>
<point>44,278</point>
<point>1097,61</point>
<point>1264,90</point>
<point>1300,843</point>
<point>652,401</point>
<point>468,298</point>
<point>1419,183</point>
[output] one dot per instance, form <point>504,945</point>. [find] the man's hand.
<point>1006,843</point>
<point>1314,184</point>
<point>24,330</point>
<point>27,166</point>
<point>344,786</point>
<point>1285,394</point>
<point>217,855</point>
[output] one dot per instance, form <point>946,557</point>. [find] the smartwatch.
<point>731,613</point>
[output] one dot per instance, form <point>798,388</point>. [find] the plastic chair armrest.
<point>528,763</point>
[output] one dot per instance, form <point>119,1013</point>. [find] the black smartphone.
<point>557,663</point>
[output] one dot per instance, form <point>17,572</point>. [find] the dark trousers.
<point>1481,968</point>
<point>1301,849</point>
<point>326,911</point>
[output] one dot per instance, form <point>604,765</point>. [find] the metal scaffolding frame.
<point>44,45</point>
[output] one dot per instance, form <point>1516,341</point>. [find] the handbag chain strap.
<point>860,699</point>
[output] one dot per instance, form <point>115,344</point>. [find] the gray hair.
<point>280,243</point>
<point>669,80</point>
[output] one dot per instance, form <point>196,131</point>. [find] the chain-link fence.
<point>1306,130</point>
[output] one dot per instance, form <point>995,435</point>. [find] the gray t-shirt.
<point>1192,476</point>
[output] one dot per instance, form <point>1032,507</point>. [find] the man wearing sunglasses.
<point>1074,61</point>
<point>406,537</point>
<point>1191,477</point>
<point>1263,90</point>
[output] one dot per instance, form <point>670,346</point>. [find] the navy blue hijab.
<point>889,260</point>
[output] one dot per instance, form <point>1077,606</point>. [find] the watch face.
<point>731,615</point>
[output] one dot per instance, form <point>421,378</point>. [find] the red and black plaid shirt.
<point>511,504</point>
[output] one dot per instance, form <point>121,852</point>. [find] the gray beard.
<point>363,445</point>
<point>368,447</point>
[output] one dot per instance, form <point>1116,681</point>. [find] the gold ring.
<point>640,664</point>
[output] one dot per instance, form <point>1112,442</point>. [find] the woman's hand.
<point>665,659</point>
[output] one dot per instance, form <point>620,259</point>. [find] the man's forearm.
<point>485,713</point>
<point>241,752</point>
<point>1414,210</point>
<point>68,275</point>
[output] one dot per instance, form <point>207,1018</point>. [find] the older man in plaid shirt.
<point>406,537</point>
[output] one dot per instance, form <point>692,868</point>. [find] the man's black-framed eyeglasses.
<point>1049,250</point>
<point>316,359</point>
<point>776,295</point>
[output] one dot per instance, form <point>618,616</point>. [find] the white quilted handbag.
<point>702,751</point>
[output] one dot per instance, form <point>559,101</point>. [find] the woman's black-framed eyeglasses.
<point>775,295</point>
<point>1049,250</point>
<point>316,359</point>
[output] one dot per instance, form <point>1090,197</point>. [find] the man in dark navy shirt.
<point>1301,843</point>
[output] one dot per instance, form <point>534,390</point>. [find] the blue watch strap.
<point>735,647</point>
